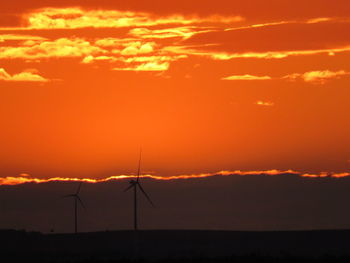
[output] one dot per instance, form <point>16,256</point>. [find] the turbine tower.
<point>135,184</point>
<point>77,200</point>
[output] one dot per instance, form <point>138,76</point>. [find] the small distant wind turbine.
<point>137,185</point>
<point>77,200</point>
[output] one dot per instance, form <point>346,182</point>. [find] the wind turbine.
<point>137,185</point>
<point>76,201</point>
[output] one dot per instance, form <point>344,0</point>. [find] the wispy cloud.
<point>150,66</point>
<point>317,76</point>
<point>320,76</point>
<point>6,37</point>
<point>265,103</point>
<point>319,20</point>
<point>137,48</point>
<point>246,77</point>
<point>72,18</point>
<point>175,32</point>
<point>149,42</point>
<point>63,47</point>
<point>26,76</point>
<point>201,51</point>
<point>285,22</point>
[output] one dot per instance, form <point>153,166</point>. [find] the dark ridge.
<point>176,246</point>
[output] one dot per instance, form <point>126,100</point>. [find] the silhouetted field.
<point>176,246</point>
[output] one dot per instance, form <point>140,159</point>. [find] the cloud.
<point>166,35</point>
<point>7,37</point>
<point>136,63</point>
<point>144,55</point>
<point>260,25</point>
<point>90,59</point>
<point>176,32</point>
<point>152,42</point>
<point>150,66</point>
<point>319,77</point>
<point>25,178</point>
<point>26,76</point>
<point>215,55</point>
<point>279,39</point>
<point>158,59</point>
<point>246,77</point>
<point>114,42</point>
<point>319,20</point>
<point>63,47</point>
<point>72,18</point>
<point>136,48</point>
<point>265,103</point>
<point>285,22</point>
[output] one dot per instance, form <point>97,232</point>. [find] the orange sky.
<point>203,87</point>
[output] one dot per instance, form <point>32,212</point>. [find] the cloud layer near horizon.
<point>25,178</point>
<point>252,202</point>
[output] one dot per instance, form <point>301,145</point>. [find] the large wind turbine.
<point>137,185</point>
<point>77,200</point>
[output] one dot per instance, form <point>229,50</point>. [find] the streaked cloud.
<point>150,66</point>
<point>7,37</point>
<point>260,25</point>
<point>152,58</point>
<point>176,32</point>
<point>201,51</point>
<point>136,48</point>
<point>26,76</point>
<point>320,76</point>
<point>265,103</point>
<point>90,59</point>
<point>151,42</point>
<point>319,20</point>
<point>285,22</point>
<point>111,42</point>
<point>25,178</point>
<point>246,77</point>
<point>63,47</point>
<point>73,18</point>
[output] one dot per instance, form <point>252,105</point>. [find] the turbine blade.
<point>148,198</point>
<point>79,186</point>
<point>139,168</point>
<point>80,201</point>
<point>128,188</point>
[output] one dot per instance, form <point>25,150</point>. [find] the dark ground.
<point>176,246</point>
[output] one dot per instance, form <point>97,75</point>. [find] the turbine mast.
<point>76,214</point>
<point>135,183</point>
<point>135,207</point>
<point>135,191</point>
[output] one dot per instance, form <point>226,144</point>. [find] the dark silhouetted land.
<point>177,246</point>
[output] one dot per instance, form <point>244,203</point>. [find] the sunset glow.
<point>200,86</point>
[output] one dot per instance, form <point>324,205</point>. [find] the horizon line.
<point>26,178</point>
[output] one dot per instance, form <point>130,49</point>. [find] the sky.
<point>201,86</point>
